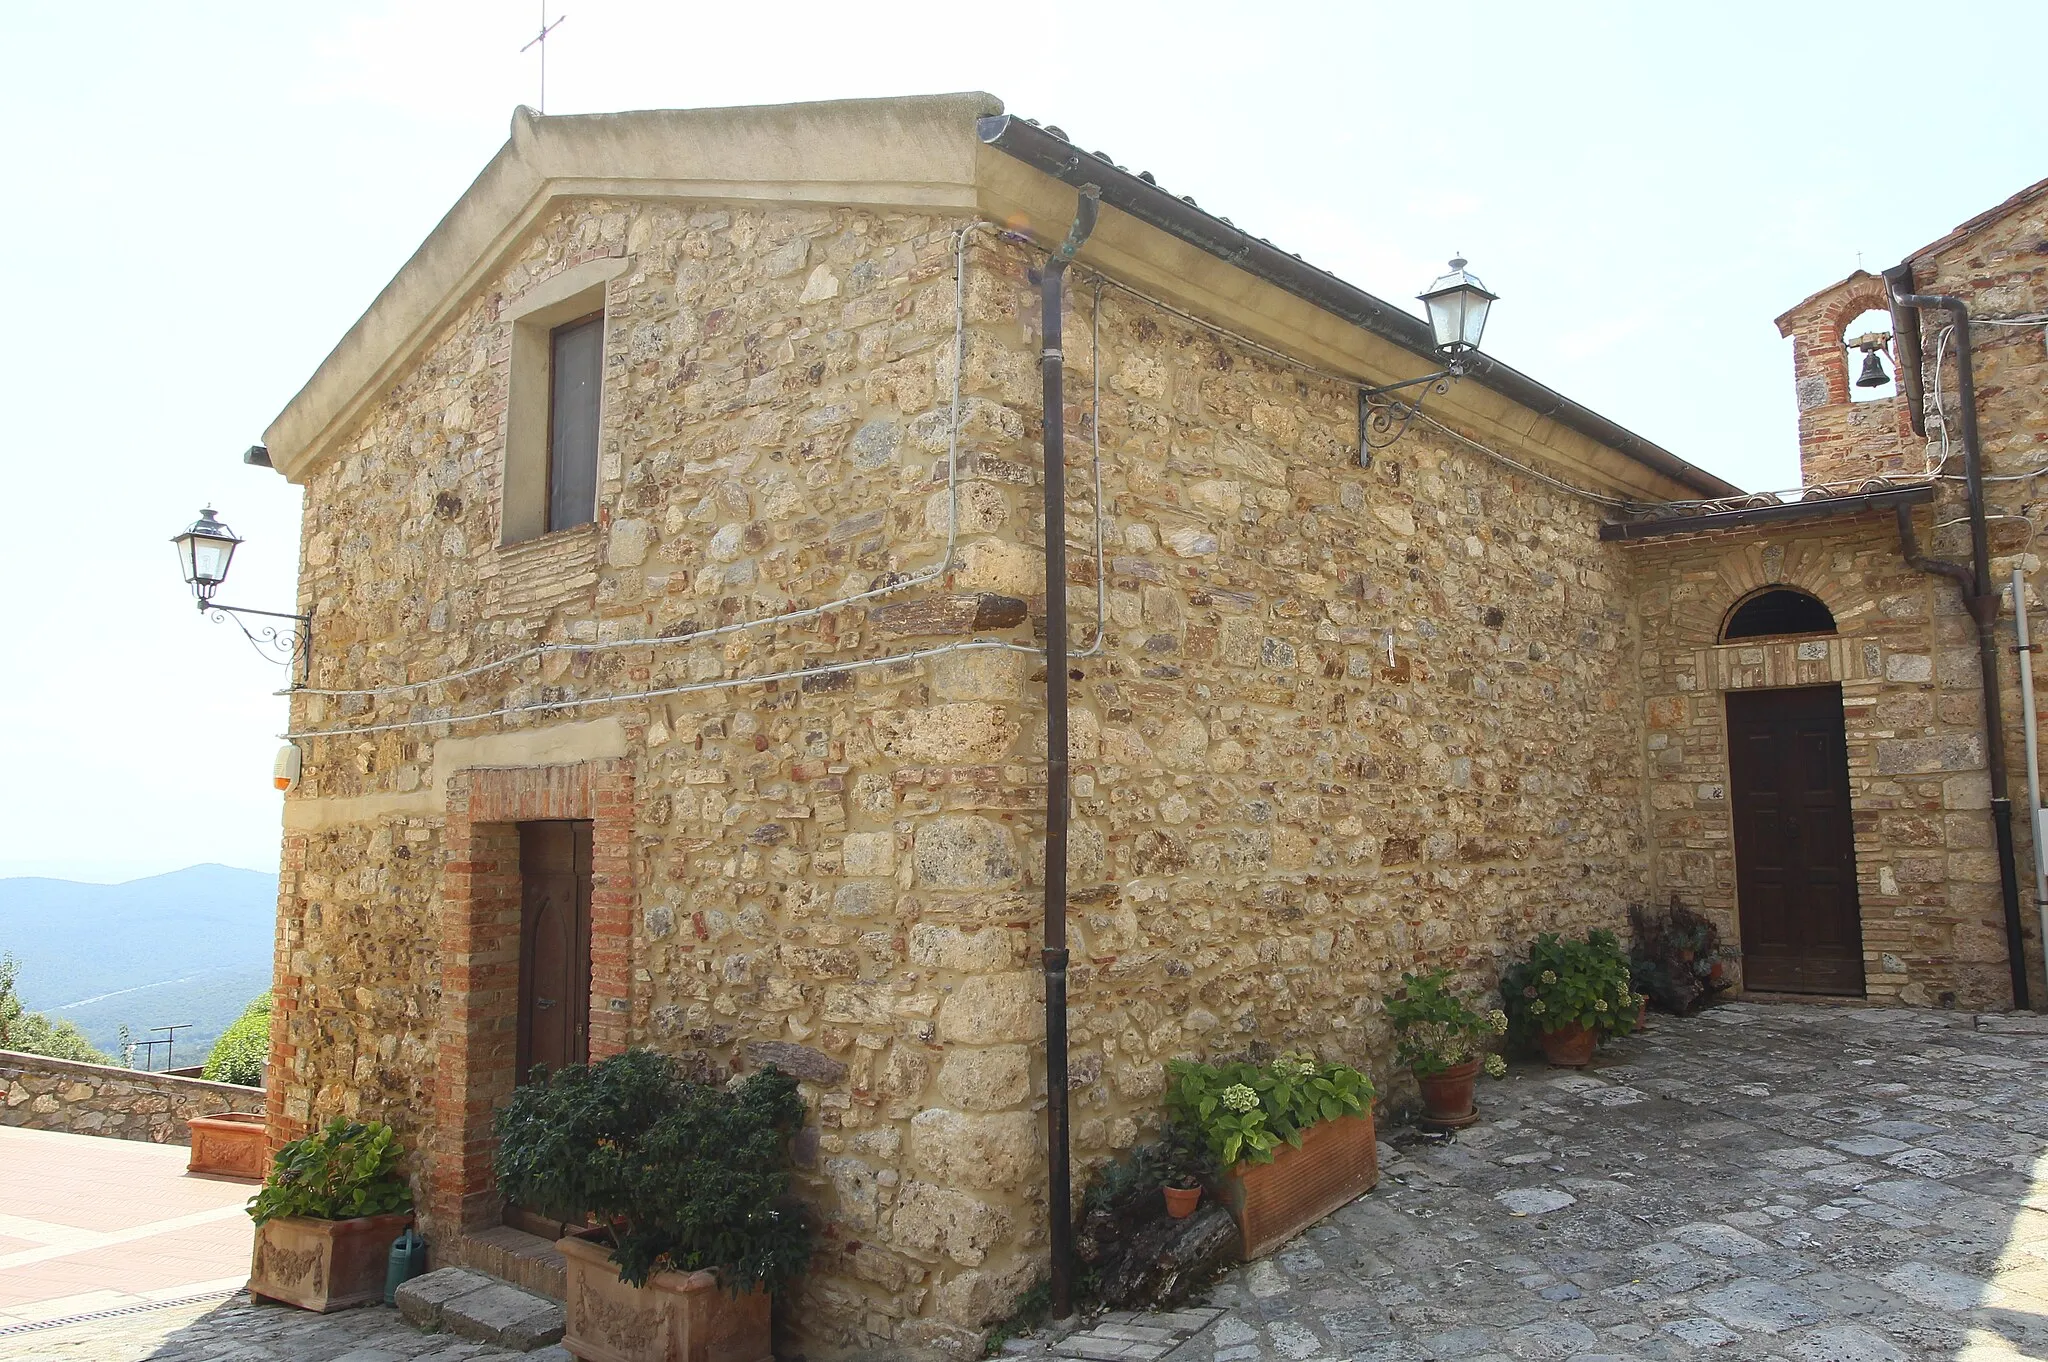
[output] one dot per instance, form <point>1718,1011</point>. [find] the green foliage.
<point>1179,1158</point>
<point>1436,1028</point>
<point>238,1055</point>
<point>678,1174</point>
<point>32,1033</point>
<point>1244,1110</point>
<point>343,1170</point>
<point>1571,981</point>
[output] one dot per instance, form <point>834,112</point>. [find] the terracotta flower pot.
<point>1181,1201</point>
<point>1447,1095</point>
<point>1570,1046</point>
<point>676,1317</point>
<point>229,1145</point>
<point>1643,1013</point>
<point>324,1265</point>
<point>1338,1161</point>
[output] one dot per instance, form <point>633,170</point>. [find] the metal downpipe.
<point>1060,1186</point>
<point>1982,600</point>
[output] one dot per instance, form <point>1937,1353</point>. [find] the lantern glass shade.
<point>204,551</point>
<point>1457,304</point>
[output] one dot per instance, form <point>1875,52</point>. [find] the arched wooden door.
<point>1795,847</point>
<point>554,945</point>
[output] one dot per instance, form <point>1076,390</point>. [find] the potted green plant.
<point>684,1185</point>
<point>1294,1138</point>
<point>326,1216</point>
<point>1443,1040</point>
<point>1184,1167</point>
<point>1570,995</point>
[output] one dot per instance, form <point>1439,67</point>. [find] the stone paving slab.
<point>243,1330</point>
<point>1793,1183</point>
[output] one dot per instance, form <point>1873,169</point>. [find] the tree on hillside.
<point>239,1053</point>
<point>35,1034</point>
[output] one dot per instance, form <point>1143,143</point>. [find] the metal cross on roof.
<point>540,40</point>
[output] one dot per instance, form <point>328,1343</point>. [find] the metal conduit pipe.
<point>1982,600</point>
<point>2023,637</point>
<point>1059,1187</point>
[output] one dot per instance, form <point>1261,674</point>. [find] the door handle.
<point>543,1004</point>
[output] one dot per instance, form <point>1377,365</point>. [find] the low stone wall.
<point>98,1099</point>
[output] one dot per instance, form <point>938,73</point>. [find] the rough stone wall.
<point>1927,875</point>
<point>1906,660</point>
<point>40,1093</point>
<point>825,869</point>
<point>1348,722</point>
<point>2001,269</point>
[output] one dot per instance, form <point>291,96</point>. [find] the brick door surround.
<point>480,917</point>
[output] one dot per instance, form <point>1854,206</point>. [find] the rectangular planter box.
<point>676,1317</point>
<point>1338,1161</point>
<point>228,1145</point>
<point>324,1265</point>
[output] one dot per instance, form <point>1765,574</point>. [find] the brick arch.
<point>1867,295</point>
<point>1746,569</point>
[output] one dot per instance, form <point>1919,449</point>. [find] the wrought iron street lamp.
<point>205,548</point>
<point>1457,304</point>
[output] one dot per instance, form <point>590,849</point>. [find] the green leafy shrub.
<point>32,1033</point>
<point>1571,981</point>
<point>675,1173</point>
<point>237,1057</point>
<point>1437,1029</point>
<point>343,1170</point>
<point>1244,1110</point>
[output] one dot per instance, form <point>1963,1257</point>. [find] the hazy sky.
<point>205,196</point>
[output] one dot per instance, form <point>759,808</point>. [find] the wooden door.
<point>1795,849</point>
<point>554,945</point>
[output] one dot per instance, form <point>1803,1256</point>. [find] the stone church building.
<point>674,546</point>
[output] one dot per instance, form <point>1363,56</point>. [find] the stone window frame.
<point>573,294</point>
<point>480,919</point>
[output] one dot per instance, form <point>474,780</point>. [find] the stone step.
<point>469,1304</point>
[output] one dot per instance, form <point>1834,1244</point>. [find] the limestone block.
<point>964,851</point>
<point>986,1079</point>
<point>628,545</point>
<point>990,1009</point>
<point>934,1219</point>
<point>982,509</point>
<point>982,674</point>
<point>868,853</point>
<point>1184,745</point>
<point>1001,566</point>
<point>962,1149</point>
<point>988,951</point>
<point>967,731</point>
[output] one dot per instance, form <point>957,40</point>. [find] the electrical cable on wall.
<point>925,575</point>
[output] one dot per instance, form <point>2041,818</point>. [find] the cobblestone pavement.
<point>241,1330</point>
<point>1812,1184</point>
<point>1808,1183</point>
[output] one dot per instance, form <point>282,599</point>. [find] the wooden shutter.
<point>577,355</point>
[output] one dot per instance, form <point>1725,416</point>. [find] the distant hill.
<point>190,946</point>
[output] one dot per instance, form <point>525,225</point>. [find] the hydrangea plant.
<point>1244,1110</point>
<point>1438,1030</point>
<point>1571,981</point>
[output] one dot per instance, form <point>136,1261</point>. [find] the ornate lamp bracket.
<point>1383,419</point>
<point>290,644</point>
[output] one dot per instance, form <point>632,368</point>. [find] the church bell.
<point>1873,375</point>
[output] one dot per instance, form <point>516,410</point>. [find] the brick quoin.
<point>480,894</point>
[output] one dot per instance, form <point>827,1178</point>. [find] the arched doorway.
<point>1795,849</point>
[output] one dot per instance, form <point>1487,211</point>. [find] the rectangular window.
<point>576,353</point>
